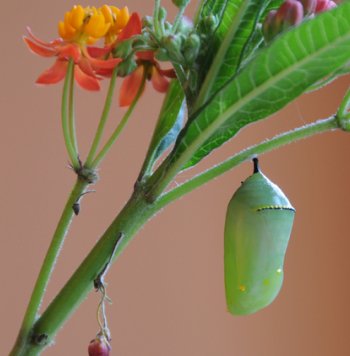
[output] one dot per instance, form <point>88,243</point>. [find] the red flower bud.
<point>324,5</point>
<point>99,346</point>
<point>309,6</point>
<point>270,27</point>
<point>291,12</point>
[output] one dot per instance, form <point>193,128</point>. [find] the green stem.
<point>73,155</point>
<point>100,156</point>
<point>344,106</point>
<point>181,76</point>
<point>157,29</point>
<point>179,16</point>
<point>103,120</point>
<point>263,147</point>
<point>134,215</point>
<point>31,313</point>
<point>72,130</point>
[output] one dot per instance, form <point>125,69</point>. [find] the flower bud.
<point>180,3</point>
<point>191,48</point>
<point>309,6</point>
<point>99,346</point>
<point>162,14</point>
<point>147,21</point>
<point>290,13</point>
<point>209,24</point>
<point>294,13</point>
<point>173,44</point>
<point>270,27</point>
<point>324,5</point>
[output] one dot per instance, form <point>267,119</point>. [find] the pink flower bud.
<point>309,6</point>
<point>99,346</point>
<point>291,12</point>
<point>270,27</point>
<point>324,5</point>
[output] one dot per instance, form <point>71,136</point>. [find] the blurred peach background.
<point>167,288</point>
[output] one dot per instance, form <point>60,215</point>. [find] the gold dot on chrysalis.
<point>242,288</point>
<point>279,270</point>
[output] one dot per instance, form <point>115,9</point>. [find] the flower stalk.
<point>31,314</point>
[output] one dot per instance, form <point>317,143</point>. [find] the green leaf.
<point>329,79</point>
<point>278,74</point>
<point>169,124</point>
<point>236,26</point>
<point>229,16</point>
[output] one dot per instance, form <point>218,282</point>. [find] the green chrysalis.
<point>258,224</point>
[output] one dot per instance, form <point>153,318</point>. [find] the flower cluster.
<point>81,28</point>
<point>291,13</point>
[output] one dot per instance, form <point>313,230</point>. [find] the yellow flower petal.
<point>96,27</point>
<point>107,13</point>
<point>61,29</point>
<point>77,17</point>
<point>123,18</point>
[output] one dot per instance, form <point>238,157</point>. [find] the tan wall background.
<point>167,288</point>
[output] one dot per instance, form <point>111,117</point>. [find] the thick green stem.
<point>119,128</point>
<point>73,154</point>
<point>31,313</point>
<point>134,215</point>
<point>103,120</point>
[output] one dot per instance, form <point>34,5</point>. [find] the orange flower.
<point>132,28</point>
<point>81,27</point>
<point>148,68</point>
<point>85,66</point>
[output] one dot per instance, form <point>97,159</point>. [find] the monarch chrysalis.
<point>258,224</point>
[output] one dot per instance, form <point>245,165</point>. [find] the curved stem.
<point>263,147</point>
<point>133,216</point>
<point>344,106</point>
<point>101,155</point>
<point>103,120</point>
<point>71,119</point>
<point>53,251</point>
<point>179,16</point>
<point>73,155</point>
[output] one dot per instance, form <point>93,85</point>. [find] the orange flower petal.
<point>52,44</point>
<point>85,65</point>
<point>97,52</point>
<point>133,27</point>
<point>86,81</point>
<point>70,51</point>
<point>54,74</point>
<point>159,82</point>
<point>130,86</point>
<point>38,49</point>
<point>105,64</point>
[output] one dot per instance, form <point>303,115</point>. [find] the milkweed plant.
<point>235,63</point>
